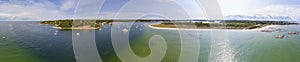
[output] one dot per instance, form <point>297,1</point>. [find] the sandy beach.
<point>257,29</point>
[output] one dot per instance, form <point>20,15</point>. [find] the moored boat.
<point>279,36</point>
<point>293,33</point>
<point>125,30</point>
<point>266,30</point>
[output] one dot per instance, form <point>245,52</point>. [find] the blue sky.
<point>29,10</point>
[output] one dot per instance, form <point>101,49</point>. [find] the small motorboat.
<point>293,33</point>
<point>279,36</point>
<point>266,30</point>
<point>77,34</point>
<point>125,30</point>
<point>280,30</point>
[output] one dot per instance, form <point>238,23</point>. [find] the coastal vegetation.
<point>200,24</point>
<point>76,24</point>
<point>222,24</point>
<point>85,23</point>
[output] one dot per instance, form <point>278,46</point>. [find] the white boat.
<point>125,30</point>
<point>279,36</point>
<point>293,33</point>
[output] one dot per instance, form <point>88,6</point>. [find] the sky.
<point>40,10</point>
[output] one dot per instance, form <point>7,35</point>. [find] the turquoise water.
<point>32,42</point>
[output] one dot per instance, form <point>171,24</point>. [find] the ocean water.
<point>32,42</point>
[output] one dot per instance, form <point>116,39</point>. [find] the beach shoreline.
<point>198,29</point>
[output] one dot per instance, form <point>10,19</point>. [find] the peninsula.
<point>225,24</point>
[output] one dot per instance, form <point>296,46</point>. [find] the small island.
<point>226,24</point>
<point>69,24</point>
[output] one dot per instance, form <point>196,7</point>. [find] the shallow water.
<point>32,42</point>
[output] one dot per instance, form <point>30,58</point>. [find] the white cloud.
<point>280,10</point>
<point>68,4</point>
<point>272,10</point>
<point>22,10</point>
<point>44,10</point>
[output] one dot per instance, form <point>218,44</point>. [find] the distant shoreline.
<point>218,25</point>
<point>232,25</point>
<point>208,29</point>
<point>76,28</point>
